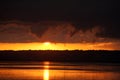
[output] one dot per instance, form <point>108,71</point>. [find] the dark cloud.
<point>110,31</point>
<point>82,14</point>
<point>56,31</point>
<point>16,33</point>
<point>40,28</point>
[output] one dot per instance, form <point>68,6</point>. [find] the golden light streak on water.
<point>46,71</point>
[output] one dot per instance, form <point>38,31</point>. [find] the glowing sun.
<point>46,43</point>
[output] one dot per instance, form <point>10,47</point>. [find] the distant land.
<point>89,56</point>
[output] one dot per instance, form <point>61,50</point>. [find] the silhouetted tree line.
<point>62,56</point>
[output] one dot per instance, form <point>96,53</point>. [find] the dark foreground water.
<point>58,71</point>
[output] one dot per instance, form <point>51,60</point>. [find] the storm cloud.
<point>82,17</point>
<point>16,33</point>
<point>54,31</point>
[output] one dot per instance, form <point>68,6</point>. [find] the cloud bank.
<point>58,32</point>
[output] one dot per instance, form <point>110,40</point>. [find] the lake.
<point>58,71</point>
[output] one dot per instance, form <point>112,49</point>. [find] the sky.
<point>74,24</point>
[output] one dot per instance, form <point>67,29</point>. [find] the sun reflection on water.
<point>46,71</point>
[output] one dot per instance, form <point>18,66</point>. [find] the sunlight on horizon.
<point>56,46</point>
<point>46,43</point>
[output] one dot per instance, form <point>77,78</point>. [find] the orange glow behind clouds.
<point>56,46</point>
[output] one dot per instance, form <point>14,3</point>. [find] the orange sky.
<point>57,46</point>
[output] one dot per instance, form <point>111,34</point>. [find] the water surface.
<point>58,71</point>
